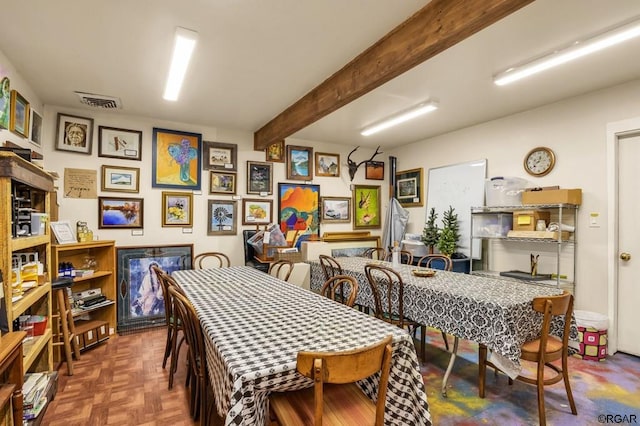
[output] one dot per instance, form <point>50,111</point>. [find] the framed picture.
<point>327,164</point>
<point>275,152</point>
<point>350,244</point>
<point>140,300</point>
<point>336,209</point>
<point>177,209</point>
<point>409,188</point>
<point>299,162</point>
<point>19,122</point>
<point>299,209</point>
<point>256,211</point>
<point>5,102</point>
<point>120,179</point>
<point>222,183</point>
<point>222,217</point>
<point>366,207</point>
<point>176,159</point>
<point>36,128</point>
<point>119,143</point>
<point>125,213</point>
<point>74,134</point>
<point>374,170</point>
<point>64,232</point>
<point>220,156</point>
<point>259,178</point>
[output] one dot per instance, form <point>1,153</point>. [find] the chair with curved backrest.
<point>387,288</point>
<point>437,261</point>
<point>343,402</point>
<point>406,258</point>
<point>249,252</point>
<point>281,269</point>
<point>330,267</point>
<point>211,259</point>
<point>341,288</point>
<point>197,373</point>
<point>543,350</point>
<point>375,253</point>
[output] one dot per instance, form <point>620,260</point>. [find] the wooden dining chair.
<point>341,288</point>
<point>405,257</point>
<point>437,261</point>
<point>211,259</point>
<point>543,351</point>
<point>375,253</point>
<point>387,288</point>
<point>335,398</point>
<point>197,366</point>
<point>281,269</point>
<point>330,267</point>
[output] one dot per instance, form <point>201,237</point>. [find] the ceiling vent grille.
<point>99,101</point>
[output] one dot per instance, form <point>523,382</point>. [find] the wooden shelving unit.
<point>18,176</point>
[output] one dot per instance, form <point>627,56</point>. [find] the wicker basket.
<point>294,257</point>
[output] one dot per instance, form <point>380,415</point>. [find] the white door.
<point>628,242</point>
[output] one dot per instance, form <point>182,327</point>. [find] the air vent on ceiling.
<point>99,101</point>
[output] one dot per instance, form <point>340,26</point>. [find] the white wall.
<point>576,130</point>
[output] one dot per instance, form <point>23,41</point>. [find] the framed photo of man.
<point>74,134</point>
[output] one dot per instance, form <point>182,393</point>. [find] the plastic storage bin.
<point>592,335</point>
<point>495,225</point>
<point>504,191</point>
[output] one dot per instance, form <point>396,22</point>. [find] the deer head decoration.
<point>353,167</point>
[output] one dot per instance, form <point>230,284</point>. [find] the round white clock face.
<point>539,161</point>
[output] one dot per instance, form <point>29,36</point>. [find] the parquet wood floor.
<point>121,382</point>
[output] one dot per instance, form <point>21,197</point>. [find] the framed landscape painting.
<point>409,188</point>
<point>336,209</point>
<point>256,211</point>
<point>327,164</point>
<point>120,179</point>
<point>366,207</point>
<point>222,183</point>
<point>299,162</point>
<point>122,213</point>
<point>176,159</point>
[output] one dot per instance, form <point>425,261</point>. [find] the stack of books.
<point>34,391</point>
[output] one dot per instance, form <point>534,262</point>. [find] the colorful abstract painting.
<point>298,209</point>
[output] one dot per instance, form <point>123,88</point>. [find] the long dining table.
<point>254,326</point>
<point>492,311</point>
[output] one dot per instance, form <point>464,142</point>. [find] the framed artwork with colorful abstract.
<point>299,210</point>
<point>176,159</point>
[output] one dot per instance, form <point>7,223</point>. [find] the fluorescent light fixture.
<point>407,115</point>
<point>576,50</point>
<point>185,42</point>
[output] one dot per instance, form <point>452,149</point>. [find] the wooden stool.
<point>65,316</point>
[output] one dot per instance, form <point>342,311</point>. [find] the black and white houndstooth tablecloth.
<point>486,310</point>
<point>256,325</point>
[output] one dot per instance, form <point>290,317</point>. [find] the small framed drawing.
<point>119,143</point>
<point>336,209</point>
<point>177,209</point>
<point>409,188</point>
<point>327,164</point>
<point>36,128</point>
<point>219,156</point>
<point>63,232</point>
<point>374,170</point>
<point>120,179</point>
<point>299,162</point>
<point>222,217</point>
<point>123,213</point>
<point>19,122</point>
<point>275,152</point>
<point>366,207</point>
<point>259,178</point>
<point>256,212</point>
<point>74,134</point>
<point>222,183</point>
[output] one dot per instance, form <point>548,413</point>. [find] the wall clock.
<point>539,161</point>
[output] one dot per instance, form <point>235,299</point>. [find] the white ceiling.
<point>254,58</point>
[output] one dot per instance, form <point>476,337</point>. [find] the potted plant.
<point>450,234</point>
<point>431,232</point>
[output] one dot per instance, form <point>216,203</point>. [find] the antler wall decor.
<point>353,167</point>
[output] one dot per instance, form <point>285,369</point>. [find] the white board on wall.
<point>460,186</point>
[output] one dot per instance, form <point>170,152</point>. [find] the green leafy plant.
<point>448,241</point>
<point>431,232</point>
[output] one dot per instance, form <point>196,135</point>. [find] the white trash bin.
<point>592,335</point>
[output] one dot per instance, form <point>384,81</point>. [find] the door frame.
<point>614,131</point>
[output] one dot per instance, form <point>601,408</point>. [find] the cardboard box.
<point>553,196</point>
<point>526,220</point>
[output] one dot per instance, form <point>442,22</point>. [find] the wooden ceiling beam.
<point>433,29</point>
